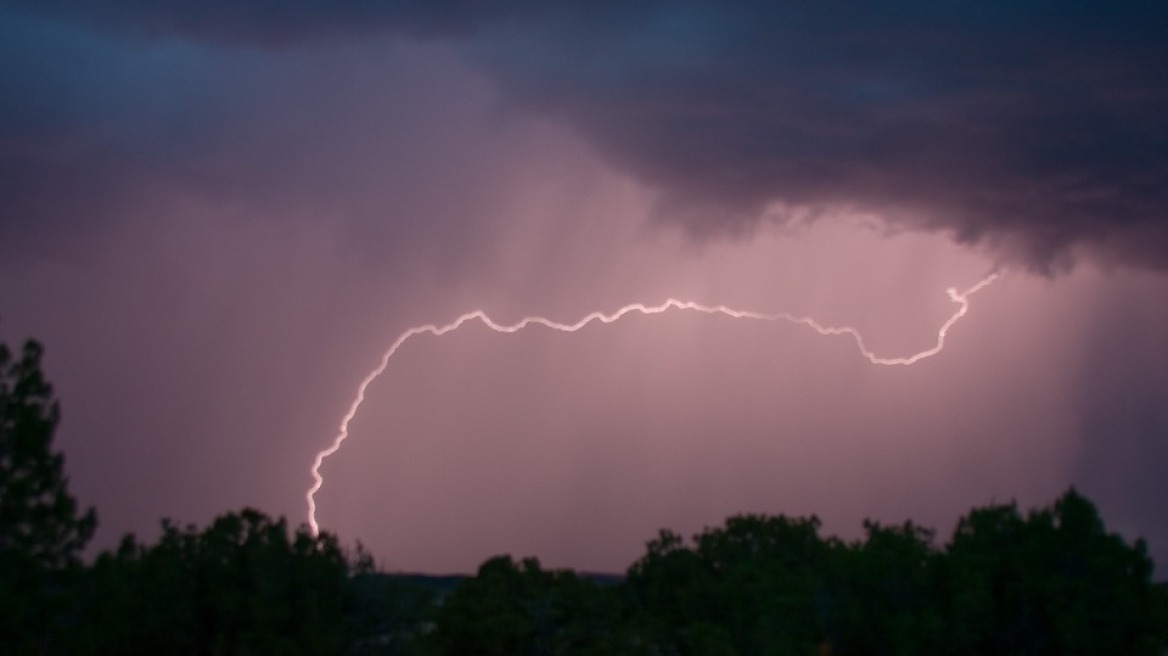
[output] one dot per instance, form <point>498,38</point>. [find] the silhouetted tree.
<point>884,594</point>
<point>757,585</point>
<point>42,531</point>
<point>1053,582</point>
<point>243,585</point>
<point>1160,613</point>
<point>773,587</point>
<point>675,594</point>
<point>390,614</point>
<point>511,608</point>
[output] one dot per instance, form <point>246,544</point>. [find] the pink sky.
<point>284,214</point>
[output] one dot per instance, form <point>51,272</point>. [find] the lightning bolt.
<point>960,298</point>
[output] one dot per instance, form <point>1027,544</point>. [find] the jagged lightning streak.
<point>960,298</point>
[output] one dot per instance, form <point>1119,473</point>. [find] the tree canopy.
<point>42,530</point>
<point>242,585</point>
<point>39,520</point>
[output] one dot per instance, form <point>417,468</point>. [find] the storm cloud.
<point>1034,129</point>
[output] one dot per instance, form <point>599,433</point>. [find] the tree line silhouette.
<point>1052,580</point>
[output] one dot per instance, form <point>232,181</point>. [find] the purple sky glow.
<point>217,220</point>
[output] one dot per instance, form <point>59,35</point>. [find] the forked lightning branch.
<point>960,298</point>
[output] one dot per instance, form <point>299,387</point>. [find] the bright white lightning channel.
<point>960,298</point>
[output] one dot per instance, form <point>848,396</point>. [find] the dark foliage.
<point>520,608</point>
<point>42,531</point>
<point>243,585</point>
<point>1053,581</point>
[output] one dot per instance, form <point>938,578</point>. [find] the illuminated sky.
<point>217,217</point>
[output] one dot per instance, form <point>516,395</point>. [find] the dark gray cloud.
<point>98,130</point>
<point>89,126</point>
<point>1034,128</point>
<point>287,23</point>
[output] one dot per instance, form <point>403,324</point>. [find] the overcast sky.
<point>217,216</point>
